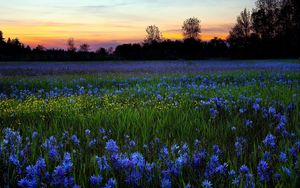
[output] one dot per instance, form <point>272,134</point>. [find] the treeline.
<point>270,30</point>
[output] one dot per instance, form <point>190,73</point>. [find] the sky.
<point>105,23</point>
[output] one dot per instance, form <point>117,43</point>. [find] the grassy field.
<point>230,129</point>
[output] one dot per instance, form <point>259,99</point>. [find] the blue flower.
<point>272,111</point>
<point>53,153</point>
<point>62,174</point>
<point>111,146</point>
<point>87,132</point>
<point>248,123</point>
<point>102,163</point>
<point>282,157</point>
<point>111,183</point>
<point>256,107</point>
<point>242,110</point>
<point>236,181</point>
<point>67,162</point>
<point>75,140</point>
<point>211,166</point>
<point>96,180</point>
<point>206,184</point>
<point>286,170</point>
<point>216,149</point>
<point>239,145</point>
<point>164,153</point>
<point>13,159</point>
<point>133,178</point>
<point>92,142</point>
<point>270,141</point>
<point>231,173</point>
<point>132,144</point>
<point>263,171</point>
<point>213,112</point>
<point>24,182</point>
<point>244,169</point>
<point>166,183</point>
<point>138,160</point>
<point>159,97</point>
<point>221,169</point>
<point>40,166</point>
<point>34,134</point>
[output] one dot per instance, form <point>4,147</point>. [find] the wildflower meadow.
<point>213,129</point>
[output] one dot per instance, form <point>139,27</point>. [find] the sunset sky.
<point>104,23</point>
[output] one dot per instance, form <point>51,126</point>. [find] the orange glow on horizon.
<point>55,35</point>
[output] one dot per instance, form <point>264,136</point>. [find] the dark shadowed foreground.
<point>144,67</point>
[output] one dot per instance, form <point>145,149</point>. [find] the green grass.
<point>143,122</point>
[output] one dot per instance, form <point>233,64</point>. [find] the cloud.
<point>101,7</point>
<point>220,28</point>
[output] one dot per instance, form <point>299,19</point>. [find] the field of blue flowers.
<point>232,129</point>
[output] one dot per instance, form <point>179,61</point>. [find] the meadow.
<point>172,127</point>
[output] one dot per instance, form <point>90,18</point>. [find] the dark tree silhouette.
<point>102,52</point>
<point>191,28</point>
<point>242,39</point>
<point>243,27</point>
<point>1,37</point>
<point>71,45</point>
<point>265,18</point>
<point>216,48</point>
<point>153,34</point>
<point>84,48</point>
<point>40,48</point>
